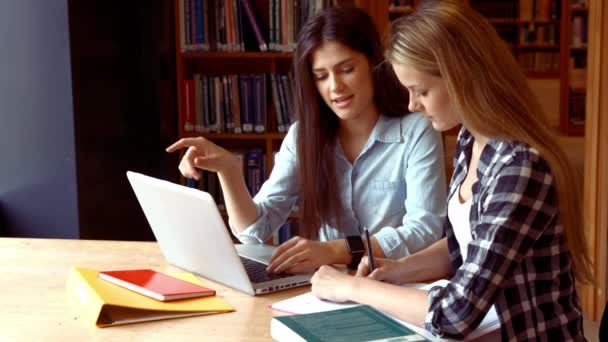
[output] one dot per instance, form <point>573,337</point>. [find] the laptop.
<point>192,236</point>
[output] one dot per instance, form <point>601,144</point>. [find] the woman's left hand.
<point>331,284</point>
<point>299,255</point>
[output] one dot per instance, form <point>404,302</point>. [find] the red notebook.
<point>155,284</point>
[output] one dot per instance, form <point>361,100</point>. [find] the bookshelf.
<point>573,88</point>
<point>547,37</point>
<point>217,39</point>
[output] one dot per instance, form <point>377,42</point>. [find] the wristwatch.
<point>356,249</point>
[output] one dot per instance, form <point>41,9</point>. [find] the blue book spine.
<point>254,170</point>
<point>192,183</point>
<point>198,8</point>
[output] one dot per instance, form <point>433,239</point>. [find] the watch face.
<point>355,243</point>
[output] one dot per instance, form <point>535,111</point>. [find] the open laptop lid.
<point>190,230</point>
<point>192,235</point>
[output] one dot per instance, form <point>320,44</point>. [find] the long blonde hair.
<point>487,88</point>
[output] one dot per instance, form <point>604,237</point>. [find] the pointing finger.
<point>181,143</point>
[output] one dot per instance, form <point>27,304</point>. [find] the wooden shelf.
<point>576,129</point>
<point>582,10</point>
<point>511,21</point>
<point>502,21</point>
<point>542,74</point>
<point>540,22</point>
<point>236,136</point>
<point>578,48</point>
<point>400,10</point>
<point>539,46</point>
<point>237,55</point>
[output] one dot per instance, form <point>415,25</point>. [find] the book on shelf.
<point>233,82</point>
<point>245,88</point>
<point>287,84</point>
<point>284,233</point>
<point>254,170</point>
<point>308,303</point>
<point>278,107</point>
<point>576,113</point>
<point>192,183</point>
<point>259,103</point>
<point>579,31</point>
<point>357,323</point>
<point>254,23</point>
<point>189,104</point>
<point>104,304</point>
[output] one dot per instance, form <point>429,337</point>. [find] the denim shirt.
<point>396,188</point>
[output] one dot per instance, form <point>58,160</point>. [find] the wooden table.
<point>34,307</point>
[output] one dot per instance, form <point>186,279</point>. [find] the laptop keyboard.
<point>257,271</point>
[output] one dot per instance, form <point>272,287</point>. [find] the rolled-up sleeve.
<point>277,196</point>
<point>425,202</point>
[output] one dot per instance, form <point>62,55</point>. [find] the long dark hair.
<point>317,124</point>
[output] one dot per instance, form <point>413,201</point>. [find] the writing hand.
<point>387,270</point>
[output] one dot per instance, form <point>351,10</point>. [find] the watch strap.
<point>355,253</point>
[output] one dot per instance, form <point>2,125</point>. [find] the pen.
<point>369,251</point>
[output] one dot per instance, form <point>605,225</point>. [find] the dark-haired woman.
<point>355,157</point>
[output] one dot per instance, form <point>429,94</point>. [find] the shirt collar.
<point>388,129</point>
<point>494,149</point>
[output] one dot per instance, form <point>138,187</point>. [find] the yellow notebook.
<point>106,304</point>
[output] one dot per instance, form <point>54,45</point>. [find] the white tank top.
<point>458,214</point>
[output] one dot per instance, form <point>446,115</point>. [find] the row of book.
<point>236,25</point>
<point>539,61</point>
<point>546,34</point>
<point>253,165</point>
<point>540,34</point>
<point>237,103</point>
<point>525,10</point>
<point>539,10</point>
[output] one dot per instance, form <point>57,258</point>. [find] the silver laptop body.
<point>192,235</point>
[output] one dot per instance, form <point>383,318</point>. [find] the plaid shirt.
<point>518,259</point>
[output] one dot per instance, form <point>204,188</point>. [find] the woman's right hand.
<point>202,154</point>
<point>387,270</point>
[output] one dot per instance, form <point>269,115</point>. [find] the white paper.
<point>308,303</point>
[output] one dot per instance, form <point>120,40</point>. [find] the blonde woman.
<point>514,236</point>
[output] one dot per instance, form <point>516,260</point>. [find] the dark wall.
<point>37,153</point>
<point>123,75</point>
<point>86,93</point>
